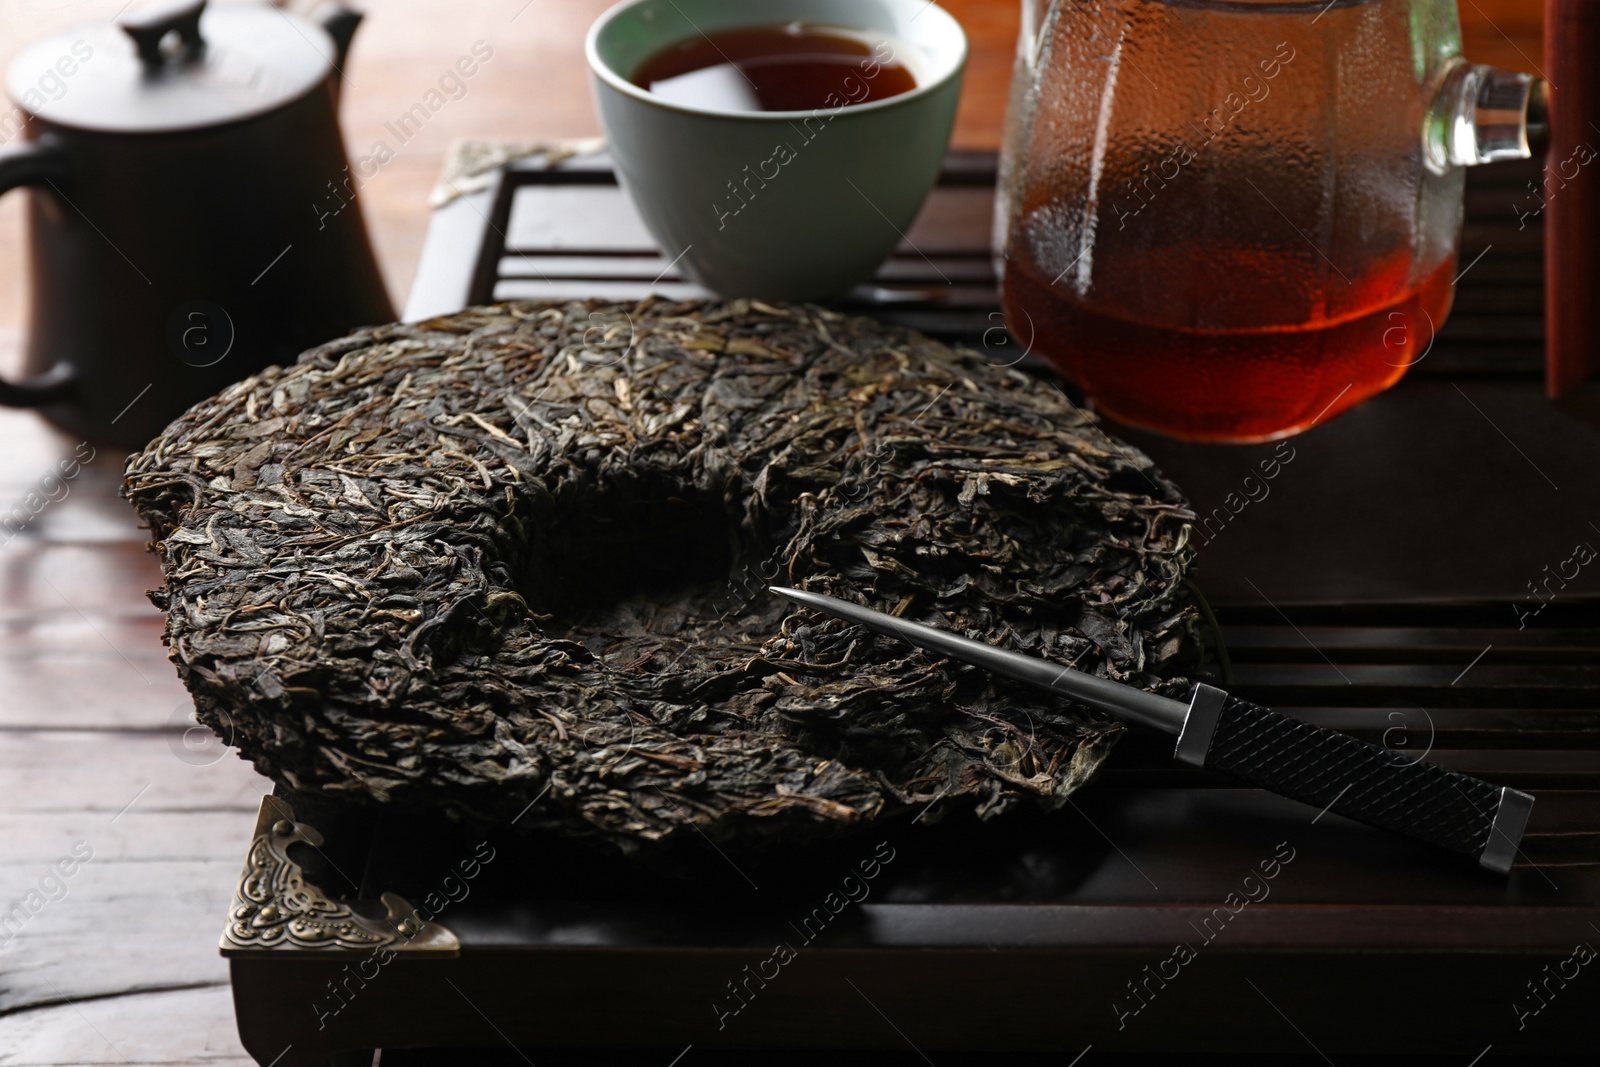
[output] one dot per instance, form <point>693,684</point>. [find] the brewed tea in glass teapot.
<point>1230,220</point>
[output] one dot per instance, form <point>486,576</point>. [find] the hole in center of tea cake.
<point>634,539</point>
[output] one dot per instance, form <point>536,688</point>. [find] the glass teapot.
<point>1229,220</point>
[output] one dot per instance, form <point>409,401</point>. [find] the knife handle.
<point>1365,782</point>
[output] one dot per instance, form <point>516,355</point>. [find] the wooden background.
<point>536,86</point>
<point>123,967</point>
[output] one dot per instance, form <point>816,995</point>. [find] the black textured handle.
<point>1362,781</point>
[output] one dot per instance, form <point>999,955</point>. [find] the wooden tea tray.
<point>1372,591</point>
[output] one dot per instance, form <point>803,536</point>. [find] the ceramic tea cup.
<point>781,205</point>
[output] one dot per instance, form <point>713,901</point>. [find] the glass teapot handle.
<point>1484,115</point>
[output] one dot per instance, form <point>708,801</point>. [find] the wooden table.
<point>122,966</point>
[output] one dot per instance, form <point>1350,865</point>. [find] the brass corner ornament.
<point>275,909</point>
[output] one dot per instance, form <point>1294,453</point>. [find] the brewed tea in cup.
<point>793,67</point>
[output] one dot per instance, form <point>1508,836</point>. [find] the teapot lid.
<point>172,66</point>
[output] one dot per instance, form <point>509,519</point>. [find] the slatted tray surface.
<point>571,233</point>
<point>1354,598</point>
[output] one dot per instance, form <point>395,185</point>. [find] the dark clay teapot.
<point>180,238</point>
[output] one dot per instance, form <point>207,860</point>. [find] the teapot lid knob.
<point>150,27</point>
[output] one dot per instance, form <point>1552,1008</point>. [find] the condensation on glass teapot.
<point>1231,220</point>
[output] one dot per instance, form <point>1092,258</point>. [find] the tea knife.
<point>1220,732</point>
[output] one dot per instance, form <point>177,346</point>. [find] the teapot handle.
<point>35,163</point>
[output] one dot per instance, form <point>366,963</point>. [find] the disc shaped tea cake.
<point>511,564</point>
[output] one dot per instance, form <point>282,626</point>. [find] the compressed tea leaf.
<point>510,564</point>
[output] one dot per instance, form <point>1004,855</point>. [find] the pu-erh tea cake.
<point>511,564</point>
